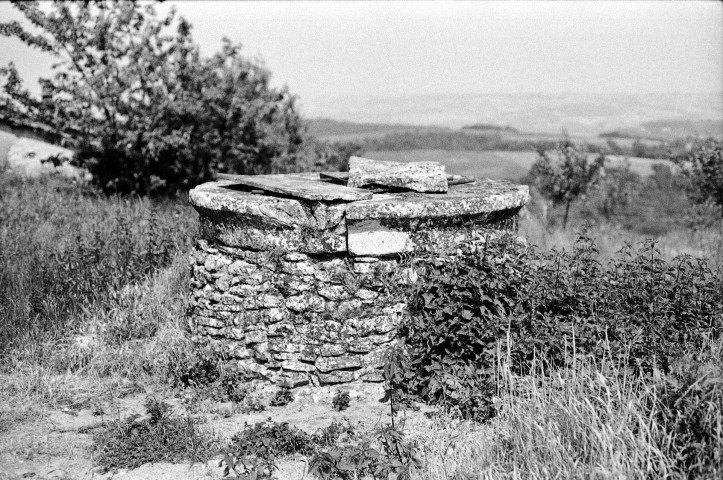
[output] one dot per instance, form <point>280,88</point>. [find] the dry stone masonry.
<point>290,273</point>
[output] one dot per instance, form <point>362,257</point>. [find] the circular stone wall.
<point>294,289</point>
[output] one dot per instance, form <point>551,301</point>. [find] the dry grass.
<point>593,419</point>
<point>99,361</point>
<point>609,239</point>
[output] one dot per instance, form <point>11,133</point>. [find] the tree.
<point>144,111</point>
<point>702,172</point>
<point>566,177</point>
<point>616,187</point>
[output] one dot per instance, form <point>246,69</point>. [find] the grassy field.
<point>493,164</point>
<point>339,131</point>
<point>93,298</point>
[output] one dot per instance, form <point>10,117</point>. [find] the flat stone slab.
<point>426,177</point>
<point>300,186</point>
<point>342,178</point>
<point>480,197</point>
<point>263,211</point>
<point>371,238</point>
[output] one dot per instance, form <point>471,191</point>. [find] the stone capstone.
<point>415,176</point>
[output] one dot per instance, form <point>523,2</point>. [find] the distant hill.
<point>340,130</point>
<point>491,127</point>
<point>669,130</point>
<point>577,114</point>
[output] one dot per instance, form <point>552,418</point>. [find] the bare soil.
<point>46,443</point>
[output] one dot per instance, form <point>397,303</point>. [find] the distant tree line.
<point>568,174</point>
<point>462,140</point>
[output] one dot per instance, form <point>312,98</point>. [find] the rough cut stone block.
<point>369,237</point>
<point>332,350</point>
<point>331,364</point>
<point>416,176</point>
<point>297,366</point>
<point>290,239</point>
<point>344,376</point>
<point>360,345</point>
<point>366,294</point>
<point>333,292</point>
<point>254,336</point>
<point>291,380</point>
<point>306,302</point>
<point>372,376</point>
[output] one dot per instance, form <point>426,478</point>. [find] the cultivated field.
<point>497,164</point>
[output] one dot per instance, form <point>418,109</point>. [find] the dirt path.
<point>57,444</point>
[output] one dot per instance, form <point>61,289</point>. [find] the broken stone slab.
<point>481,197</point>
<point>220,201</point>
<point>300,186</point>
<point>342,178</point>
<point>239,234</point>
<point>370,238</point>
<point>425,177</point>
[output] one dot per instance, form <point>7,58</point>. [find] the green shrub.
<point>145,112</point>
<point>542,305</point>
<point>208,372</point>
<point>161,437</point>
<point>340,400</point>
<point>282,397</point>
<point>254,452</point>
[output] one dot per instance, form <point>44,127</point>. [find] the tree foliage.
<point>702,170</point>
<point>616,189</point>
<point>567,176</point>
<point>145,112</point>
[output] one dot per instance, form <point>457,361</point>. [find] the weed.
<point>282,397</point>
<point>340,400</point>
<point>253,452</point>
<point>383,454</point>
<point>161,437</point>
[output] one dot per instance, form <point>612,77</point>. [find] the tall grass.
<point>92,290</point>
<point>590,419</point>
<point>610,239</point>
<point>64,248</point>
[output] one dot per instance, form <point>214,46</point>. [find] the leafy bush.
<point>505,296</point>
<point>282,397</point>
<point>383,454</point>
<point>161,437</point>
<point>209,374</point>
<point>702,171</point>
<point>254,452</point>
<point>340,400</point>
<point>140,106</point>
<point>335,451</point>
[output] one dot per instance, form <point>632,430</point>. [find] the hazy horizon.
<point>329,52</point>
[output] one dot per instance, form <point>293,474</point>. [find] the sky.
<point>329,49</point>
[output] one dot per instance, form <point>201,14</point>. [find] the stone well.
<point>288,274</point>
